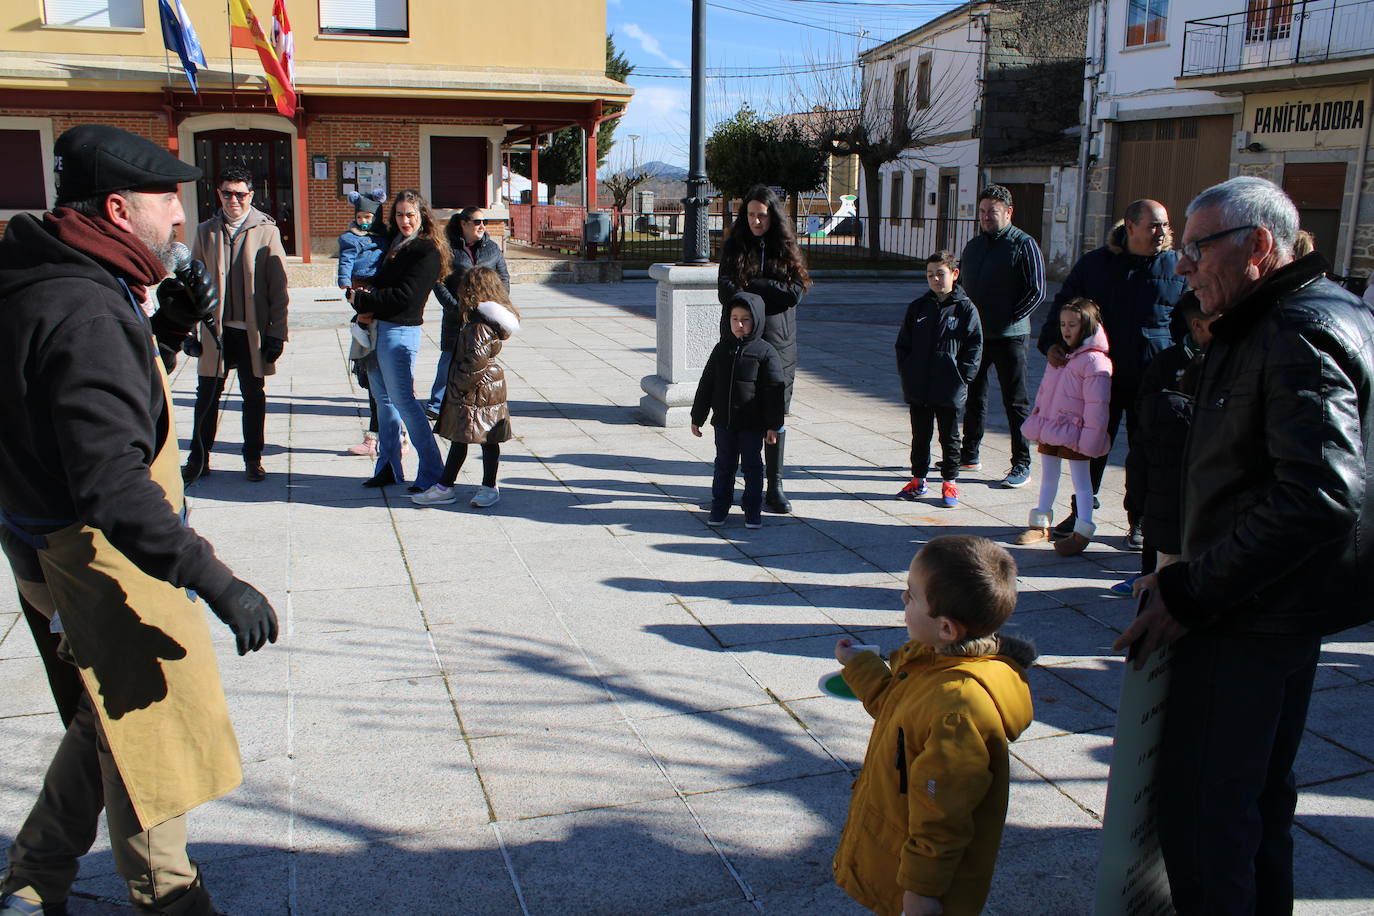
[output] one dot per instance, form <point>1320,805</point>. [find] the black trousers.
<point>1098,466</point>
<point>1236,710</point>
<point>924,420</point>
<point>209,390</point>
<point>458,453</point>
<point>1008,356</point>
<point>738,450</point>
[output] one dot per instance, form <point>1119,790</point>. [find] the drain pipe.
<point>1348,248</point>
<point>1099,62</point>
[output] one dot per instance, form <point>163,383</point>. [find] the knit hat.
<point>93,159</point>
<point>367,202</point>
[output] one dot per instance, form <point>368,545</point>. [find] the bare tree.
<point>848,115</point>
<point>621,185</point>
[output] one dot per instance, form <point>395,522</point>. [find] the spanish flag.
<point>247,33</point>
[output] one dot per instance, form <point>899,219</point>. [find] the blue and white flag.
<point>180,36</point>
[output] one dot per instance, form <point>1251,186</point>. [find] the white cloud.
<point>650,45</point>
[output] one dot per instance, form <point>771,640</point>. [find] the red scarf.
<point>117,250</point>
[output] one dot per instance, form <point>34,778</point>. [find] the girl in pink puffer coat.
<point>1069,421</point>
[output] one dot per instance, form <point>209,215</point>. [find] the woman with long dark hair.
<point>417,255</point>
<point>761,256</point>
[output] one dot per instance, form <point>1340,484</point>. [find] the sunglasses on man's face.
<point>236,195</point>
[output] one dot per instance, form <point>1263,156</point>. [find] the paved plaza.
<point>586,701</point>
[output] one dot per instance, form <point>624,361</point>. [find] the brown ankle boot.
<point>1037,530</point>
<point>1076,542</point>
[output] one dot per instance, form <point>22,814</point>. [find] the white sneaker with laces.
<point>437,495</point>
<point>486,497</point>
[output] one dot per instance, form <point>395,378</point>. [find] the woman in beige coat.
<point>474,410</point>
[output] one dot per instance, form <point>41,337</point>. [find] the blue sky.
<point>741,35</point>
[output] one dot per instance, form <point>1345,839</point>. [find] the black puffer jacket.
<point>1278,480</point>
<point>1137,295</point>
<point>938,349</point>
<point>1154,463</point>
<point>780,298</point>
<point>488,255</point>
<point>742,384</point>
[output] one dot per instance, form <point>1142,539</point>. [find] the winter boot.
<point>1078,541</point>
<point>1037,530</point>
<point>775,500</point>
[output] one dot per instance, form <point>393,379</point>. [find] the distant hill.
<point>661,171</point>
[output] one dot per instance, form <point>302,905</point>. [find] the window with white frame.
<point>1147,22</point>
<point>387,18</point>
<point>895,200</point>
<point>94,14</point>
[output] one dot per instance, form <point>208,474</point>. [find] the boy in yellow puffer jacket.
<point>926,816</point>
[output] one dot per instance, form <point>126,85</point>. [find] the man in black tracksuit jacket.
<point>742,387</point>
<point>1003,273</point>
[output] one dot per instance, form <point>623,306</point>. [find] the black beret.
<point>96,159</point>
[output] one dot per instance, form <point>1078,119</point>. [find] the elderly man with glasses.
<point>1278,545</point>
<point>242,248</point>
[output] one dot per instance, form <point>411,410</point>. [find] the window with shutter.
<point>25,186</point>
<point>94,14</point>
<point>365,17</point>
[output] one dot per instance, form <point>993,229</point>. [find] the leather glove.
<point>271,349</point>
<point>187,299</point>
<point>247,613</point>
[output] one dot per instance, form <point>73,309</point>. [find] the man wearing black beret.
<point>91,504</point>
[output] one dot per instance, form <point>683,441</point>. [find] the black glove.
<point>246,611</point>
<point>186,299</point>
<point>271,349</point>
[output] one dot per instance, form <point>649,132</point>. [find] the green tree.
<point>618,68</point>
<point>745,150</point>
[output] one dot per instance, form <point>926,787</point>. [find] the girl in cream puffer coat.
<point>1069,421</point>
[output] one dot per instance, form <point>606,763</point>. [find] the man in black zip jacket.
<point>1004,275</point>
<point>742,387</point>
<point>1278,545</point>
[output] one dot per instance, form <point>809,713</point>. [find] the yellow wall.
<point>513,34</point>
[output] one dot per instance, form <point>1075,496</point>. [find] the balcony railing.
<point>1281,33</point>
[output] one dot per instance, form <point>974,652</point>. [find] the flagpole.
<point>233,81</point>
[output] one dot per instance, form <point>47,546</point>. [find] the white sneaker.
<point>437,495</point>
<point>486,497</point>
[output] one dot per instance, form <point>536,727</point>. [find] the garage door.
<point>1171,160</point>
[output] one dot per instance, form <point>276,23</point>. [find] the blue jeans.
<point>392,382</point>
<point>736,448</point>
<point>436,393</point>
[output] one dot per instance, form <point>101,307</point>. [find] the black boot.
<point>775,500</point>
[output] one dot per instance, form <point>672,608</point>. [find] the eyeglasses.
<point>236,195</point>
<point>477,222</point>
<point>1193,250</point>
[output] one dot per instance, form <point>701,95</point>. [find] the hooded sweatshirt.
<point>82,410</point>
<point>927,810</point>
<point>742,385</point>
<point>1072,404</point>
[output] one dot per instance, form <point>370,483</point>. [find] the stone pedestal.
<point>688,318</point>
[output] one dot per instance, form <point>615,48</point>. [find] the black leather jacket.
<point>1278,505</point>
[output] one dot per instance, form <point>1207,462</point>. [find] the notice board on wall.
<point>362,174</point>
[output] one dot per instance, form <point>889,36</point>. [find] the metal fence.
<point>832,243</point>
<point>1284,32</point>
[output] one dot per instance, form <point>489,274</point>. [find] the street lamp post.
<point>695,249</point>
<point>634,156</point>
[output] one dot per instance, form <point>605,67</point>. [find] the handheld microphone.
<point>182,256</point>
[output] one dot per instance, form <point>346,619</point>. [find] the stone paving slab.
<point>584,700</point>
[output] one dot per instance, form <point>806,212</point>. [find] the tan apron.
<point>143,649</point>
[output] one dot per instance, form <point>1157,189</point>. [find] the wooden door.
<point>458,170</point>
<point>1170,160</point>
<point>948,211</point>
<point>1028,209</point>
<point>267,155</point>
<point>1317,189</point>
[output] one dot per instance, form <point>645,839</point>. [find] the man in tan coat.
<point>241,247</point>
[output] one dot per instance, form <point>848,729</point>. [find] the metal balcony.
<point>1283,33</point>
